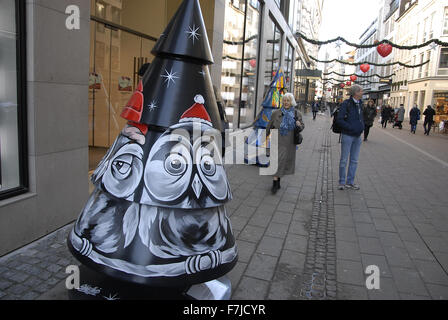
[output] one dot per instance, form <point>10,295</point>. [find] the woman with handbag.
<point>288,121</point>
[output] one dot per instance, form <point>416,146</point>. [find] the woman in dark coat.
<point>285,120</point>
<point>414,116</point>
<point>369,113</point>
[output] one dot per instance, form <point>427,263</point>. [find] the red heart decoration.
<point>353,78</point>
<point>365,67</point>
<point>342,85</point>
<point>349,83</point>
<point>329,90</point>
<point>253,63</point>
<point>384,49</point>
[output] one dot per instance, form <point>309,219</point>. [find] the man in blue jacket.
<point>350,119</point>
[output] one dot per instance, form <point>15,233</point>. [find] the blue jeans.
<point>413,127</point>
<point>350,146</point>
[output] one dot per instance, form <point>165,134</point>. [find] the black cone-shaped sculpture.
<point>157,214</point>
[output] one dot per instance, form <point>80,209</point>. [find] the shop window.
<point>240,61</point>
<point>445,22</point>
<point>13,166</point>
<point>443,63</point>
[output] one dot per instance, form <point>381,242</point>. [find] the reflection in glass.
<point>273,53</point>
<point>239,76</point>
<point>9,142</point>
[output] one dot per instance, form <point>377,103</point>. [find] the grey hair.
<point>291,97</point>
<point>355,89</point>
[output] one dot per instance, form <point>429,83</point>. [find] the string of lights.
<point>359,76</point>
<point>371,63</point>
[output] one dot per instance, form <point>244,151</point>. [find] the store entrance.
<point>116,56</point>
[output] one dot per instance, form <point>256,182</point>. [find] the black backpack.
<point>335,127</point>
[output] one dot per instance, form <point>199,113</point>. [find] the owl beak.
<point>197,186</point>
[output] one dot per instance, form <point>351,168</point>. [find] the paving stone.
<point>370,246</point>
<point>431,272</point>
<point>351,292</point>
<point>236,273</point>
<point>350,272</point>
<point>344,221</point>
<point>348,251</point>
<point>5,284</point>
<point>251,233</point>
<point>54,268</point>
<point>282,218</point>
<point>418,250</point>
<point>30,295</point>
<point>261,221</point>
<point>442,258</point>
<point>270,246</point>
<point>291,262</point>
<point>251,289</point>
<point>261,267</point>
<point>436,243</point>
<point>438,292</point>
<point>244,211</point>
<point>366,230</point>
<point>346,234</point>
<point>390,239</point>
<point>384,225</point>
<point>387,291</point>
<point>398,257</point>
<point>17,289</point>
<point>285,286</point>
<point>18,277</point>
<point>407,296</point>
<point>245,250</point>
<point>277,230</point>
<point>296,243</point>
<point>409,281</point>
<point>298,228</point>
<point>426,229</point>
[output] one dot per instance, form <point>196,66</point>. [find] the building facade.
<point>60,108</point>
<point>427,84</point>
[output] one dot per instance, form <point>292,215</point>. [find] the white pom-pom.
<point>199,99</point>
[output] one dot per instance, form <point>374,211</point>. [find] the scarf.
<point>289,121</point>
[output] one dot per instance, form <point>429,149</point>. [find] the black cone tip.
<point>186,35</point>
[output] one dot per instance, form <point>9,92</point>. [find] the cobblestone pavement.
<point>311,241</point>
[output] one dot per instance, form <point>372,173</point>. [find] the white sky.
<point>347,18</point>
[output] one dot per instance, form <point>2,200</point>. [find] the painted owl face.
<point>185,170</point>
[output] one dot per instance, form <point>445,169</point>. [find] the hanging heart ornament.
<point>342,85</point>
<point>384,49</point>
<point>365,68</point>
<point>353,78</point>
<point>348,83</point>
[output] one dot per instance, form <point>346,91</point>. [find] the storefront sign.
<point>94,81</point>
<point>125,84</point>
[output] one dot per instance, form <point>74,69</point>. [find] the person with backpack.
<point>315,109</point>
<point>369,114</point>
<point>414,116</point>
<point>350,120</point>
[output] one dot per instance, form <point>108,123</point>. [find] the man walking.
<point>414,116</point>
<point>385,115</point>
<point>350,119</point>
<point>429,119</point>
<point>369,114</point>
<point>315,109</point>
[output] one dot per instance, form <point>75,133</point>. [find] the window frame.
<point>20,21</point>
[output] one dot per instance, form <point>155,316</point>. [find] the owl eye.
<point>122,168</point>
<point>176,165</point>
<point>208,165</point>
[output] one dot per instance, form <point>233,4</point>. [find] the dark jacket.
<point>369,114</point>
<point>315,107</point>
<point>350,118</point>
<point>429,115</point>
<point>414,116</point>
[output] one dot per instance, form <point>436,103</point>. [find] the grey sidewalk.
<point>311,240</point>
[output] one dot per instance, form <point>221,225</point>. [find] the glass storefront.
<point>289,63</point>
<point>12,100</point>
<point>273,47</point>
<point>240,61</point>
<point>116,56</point>
<point>441,106</point>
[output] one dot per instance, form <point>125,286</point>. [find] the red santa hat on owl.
<point>197,112</point>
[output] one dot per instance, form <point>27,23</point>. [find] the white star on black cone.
<point>202,73</point>
<point>152,106</point>
<point>193,33</point>
<point>170,76</point>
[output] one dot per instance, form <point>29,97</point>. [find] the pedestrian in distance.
<point>385,114</point>
<point>399,117</point>
<point>315,109</point>
<point>285,120</point>
<point>429,119</point>
<point>350,120</point>
<point>414,117</point>
<point>369,114</point>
